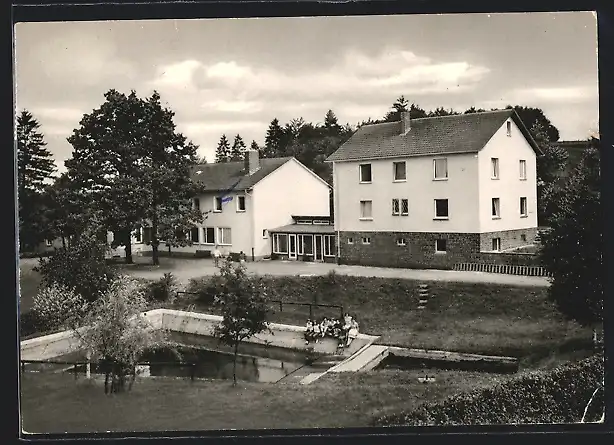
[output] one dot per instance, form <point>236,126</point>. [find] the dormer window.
<point>365,173</point>
<point>509,129</point>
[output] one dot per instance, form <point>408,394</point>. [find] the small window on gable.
<point>494,168</point>
<point>509,128</point>
<point>366,240</point>
<point>264,233</point>
<point>400,171</point>
<point>440,168</point>
<point>365,173</point>
<point>350,240</point>
<point>523,169</point>
<point>523,206</point>
<point>217,204</point>
<point>240,203</point>
<point>496,211</point>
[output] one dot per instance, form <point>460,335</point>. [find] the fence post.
<point>75,370</point>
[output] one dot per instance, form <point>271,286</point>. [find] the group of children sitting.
<point>345,330</point>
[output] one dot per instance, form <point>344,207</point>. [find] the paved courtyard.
<point>185,269</point>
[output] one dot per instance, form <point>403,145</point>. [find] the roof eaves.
<point>416,155</point>
<point>526,133</point>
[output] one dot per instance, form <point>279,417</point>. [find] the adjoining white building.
<point>436,191</point>
<point>243,201</point>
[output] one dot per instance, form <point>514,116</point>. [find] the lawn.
<point>474,318</point>
<point>56,403</point>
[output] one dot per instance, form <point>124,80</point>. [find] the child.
<point>316,331</point>
<point>309,332</point>
<point>353,332</point>
<point>216,256</point>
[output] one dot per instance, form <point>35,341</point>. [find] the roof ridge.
<point>462,114</point>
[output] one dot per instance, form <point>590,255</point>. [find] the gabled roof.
<point>232,175</point>
<point>463,133</point>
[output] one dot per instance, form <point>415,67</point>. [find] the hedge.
<point>559,395</point>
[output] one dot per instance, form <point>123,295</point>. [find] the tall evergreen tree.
<point>222,152</point>
<point>35,166</point>
<point>254,146</point>
<point>237,153</point>
<point>274,140</point>
<point>474,110</point>
<point>400,105</point>
<point>331,124</point>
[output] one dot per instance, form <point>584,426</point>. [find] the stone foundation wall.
<point>418,253</point>
<point>510,239</point>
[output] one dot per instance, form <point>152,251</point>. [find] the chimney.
<point>252,161</point>
<point>405,122</point>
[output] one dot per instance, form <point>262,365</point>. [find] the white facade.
<point>509,187</point>
<point>468,188</point>
<point>291,189</point>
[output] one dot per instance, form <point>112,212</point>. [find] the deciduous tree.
<point>242,301</point>
<point>572,247</point>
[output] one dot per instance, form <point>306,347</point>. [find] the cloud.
<point>570,94</point>
<point>176,75</point>
<point>58,113</point>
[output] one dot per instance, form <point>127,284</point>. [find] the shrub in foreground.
<point>556,396</point>
<point>162,290</point>
<point>56,306</point>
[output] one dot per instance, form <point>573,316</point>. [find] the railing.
<point>281,304</point>
<point>528,271</point>
<point>73,366</point>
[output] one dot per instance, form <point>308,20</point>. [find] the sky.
<point>229,76</point>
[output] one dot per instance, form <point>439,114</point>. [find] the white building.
<point>243,201</point>
<point>436,191</point>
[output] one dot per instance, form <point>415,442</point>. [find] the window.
<point>365,173</point>
<point>404,207</point>
<point>496,244</point>
<point>400,171</point>
<point>217,204</point>
<point>350,240</point>
<point>395,206</point>
<point>299,240</point>
<point>523,206</point>
<point>147,232</point>
<point>195,235</point>
<point>196,203</point>
<point>137,235</point>
<point>303,221</point>
<point>441,209</point>
<point>441,245</point>
<point>224,237</point>
<point>495,208</point>
<point>48,243</point>
<point>264,233</point>
<point>308,244</point>
<point>329,245</point>
<point>494,163</point>
<point>321,222</point>
<point>523,169</point>
<point>440,168</point>
<point>401,242</point>
<point>280,243</point>
<point>366,240</point>
<point>240,203</point>
<point>523,237</point>
<point>509,129</point>
<point>209,235</point>
<point>366,209</point>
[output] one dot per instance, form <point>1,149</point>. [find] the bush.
<point>162,290</point>
<point>205,288</point>
<point>57,306</point>
<point>556,396</point>
<point>81,267</point>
